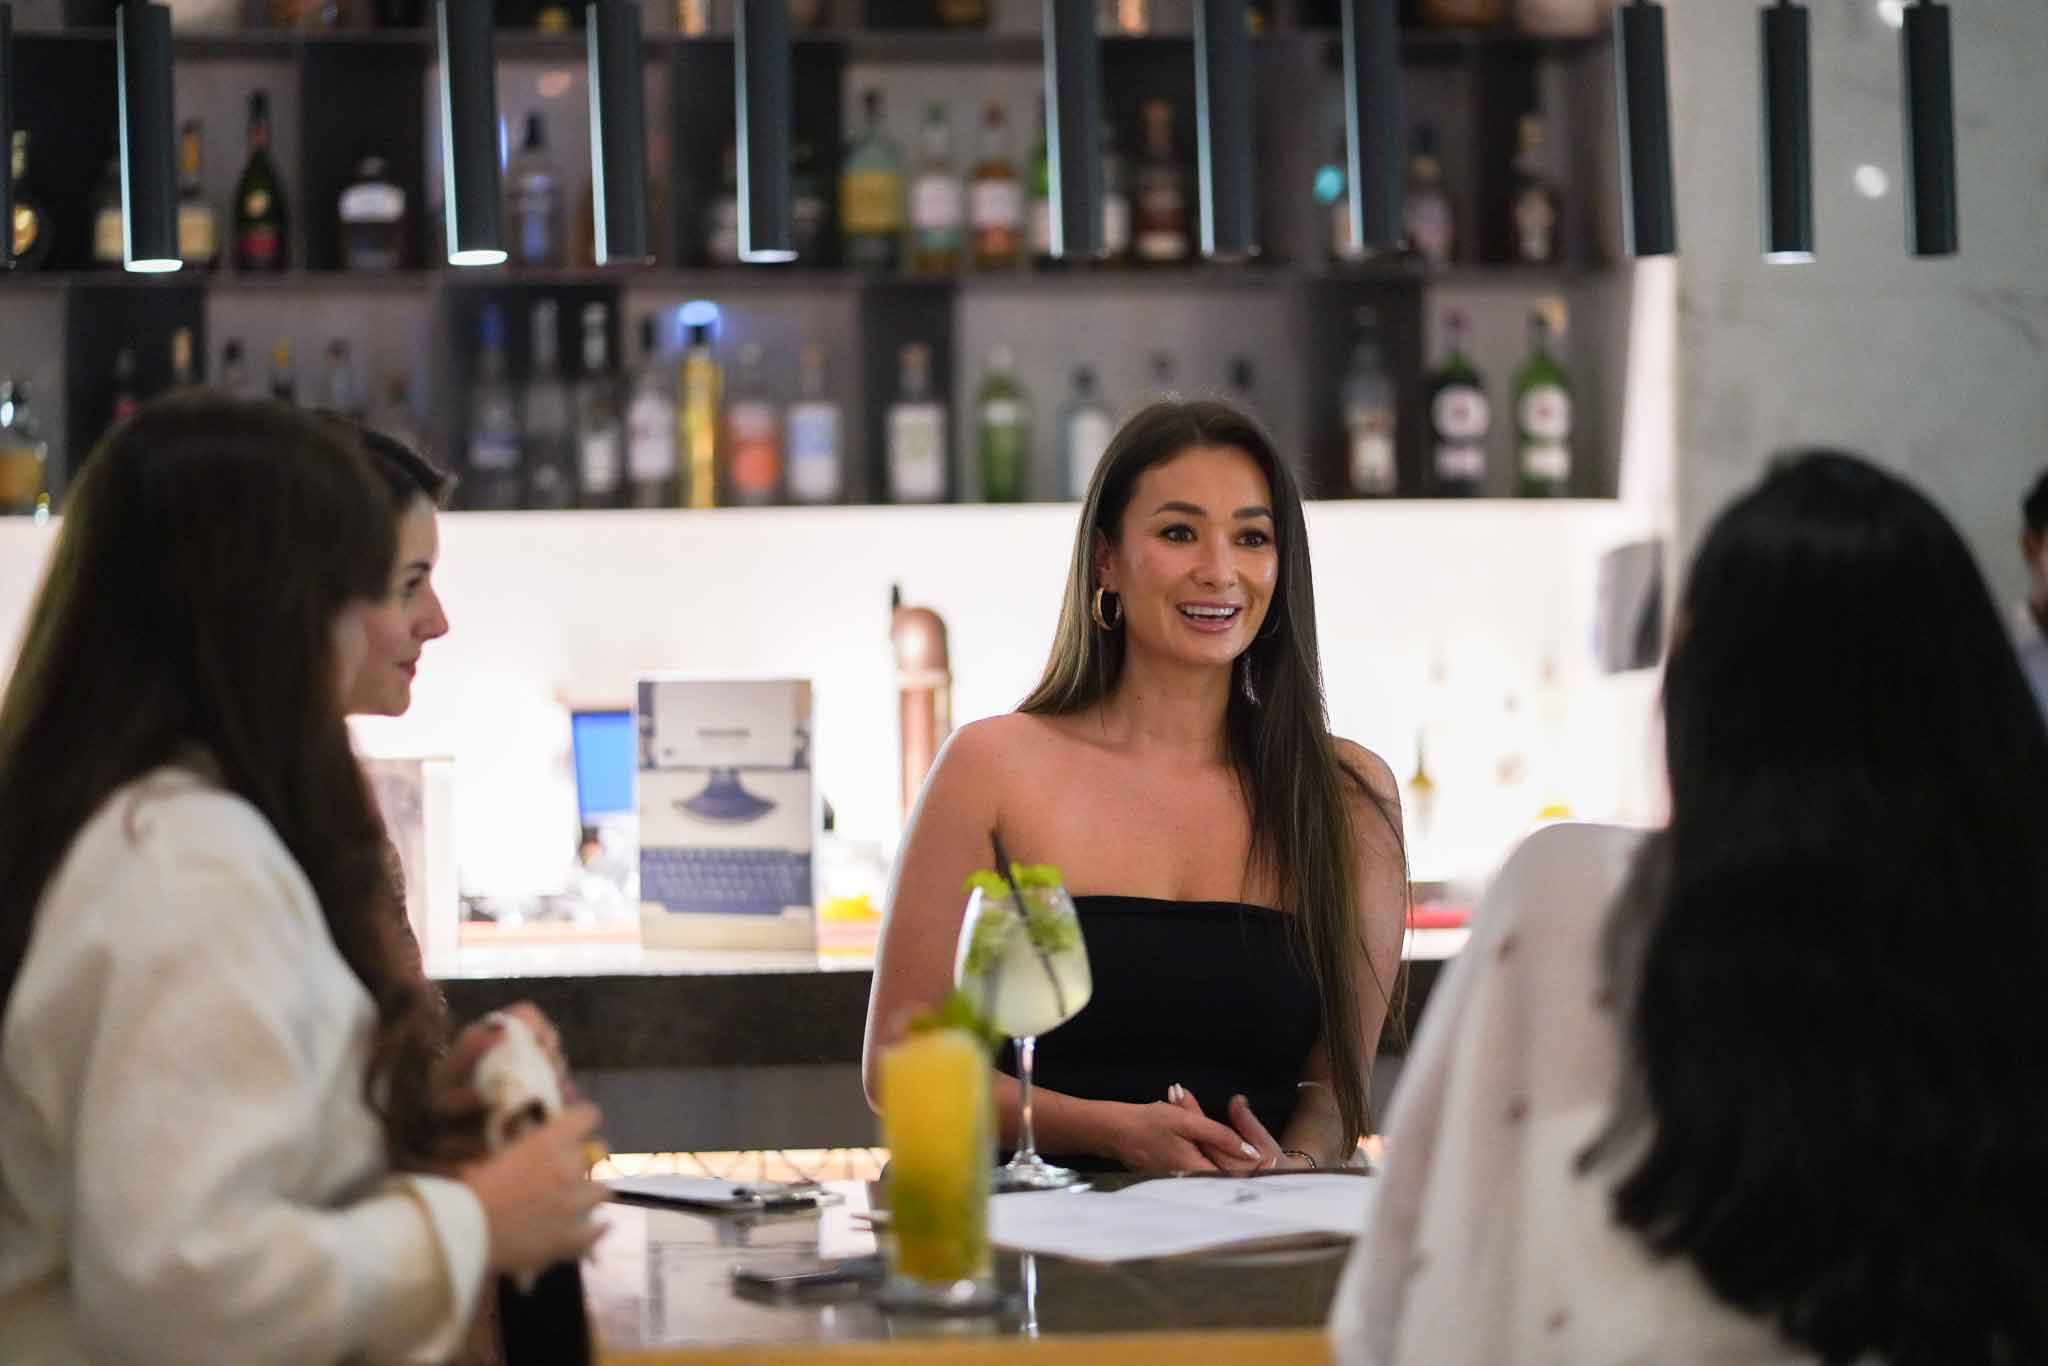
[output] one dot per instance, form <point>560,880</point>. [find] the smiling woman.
<point>409,614</point>
<point>1238,871</point>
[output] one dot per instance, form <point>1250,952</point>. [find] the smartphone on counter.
<point>785,1276</point>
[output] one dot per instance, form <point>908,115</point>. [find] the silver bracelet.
<point>1296,1152</point>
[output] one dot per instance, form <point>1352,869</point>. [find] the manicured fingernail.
<point>1173,1093</point>
<point>1249,1150</point>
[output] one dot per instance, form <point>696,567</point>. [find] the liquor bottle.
<point>1086,426</point>
<point>533,201</point>
<point>995,196</point>
<point>109,222</point>
<point>344,392</point>
<point>492,483</point>
<point>1116,198</point>
<point>1535,201</point>
<point>547,423</point>
<point>693,18</point>
<point>1459,419</point>
<point>651,480</point>
<point>810,208</point>
<point>1123,18</point>
<point>1543,414</point>
<point>1332,190</point>
<point>126,399</point>
<point>261,220</point>
<point>24,456</point>
<point>700,389</point>
<point>935,199</point>
<point>234,371</point>
<point>599,436</point>
<point>395,416</point>
<point>372,213</point>
<point>1460,13</point>
<point>1162,377</point>
<point>284,372</point>
<point>1040,214</point>
<point>1427,219</point>
<point>753,436</point>
<point>871,194</point>
<point>817,471</point>
<point>1369,415</point>
<point>1162,206</point>
<point>29,238</point>
<point>198,227</point>
<point>722,213</point>
<point>1244,385</point>
<point>917,432</point>
<point>183,375</point>
<point>963,13</point>
<point>1003,429</point>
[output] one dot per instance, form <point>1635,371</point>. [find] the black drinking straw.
<point>1059,994</point>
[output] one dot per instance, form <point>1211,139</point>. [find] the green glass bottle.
<point>1003,429</point>
<point>1543,415</point>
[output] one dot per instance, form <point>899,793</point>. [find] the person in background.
<point>1764,1085</point>
<point>209,1047</point>
<point>1238,871</point>
<point>2034,614</point>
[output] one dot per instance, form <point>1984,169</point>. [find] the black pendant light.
<point>1649,218</point>
<point>1788,135</point>
<point>761,47</point>
<point>1372,123</point>
<point>1223,131</point>
<point>618,133</point>
<point>1073,128</point>
<point>7,134</point>
<point>149,176</point>
<point>469,132</point>
<point>1930,131</point>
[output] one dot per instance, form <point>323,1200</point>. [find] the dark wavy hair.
<point>1831,1108</point>
<point>206,549</point>
<point>1293,778</point>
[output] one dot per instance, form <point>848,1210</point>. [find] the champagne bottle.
<point>261,223</point>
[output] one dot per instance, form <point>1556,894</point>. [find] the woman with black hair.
<point>1765,1085</point>
<point>1237,869</point>
<point>212,1055</point>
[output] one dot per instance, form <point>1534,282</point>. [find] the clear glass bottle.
<point>533,202</point>
<point>995,196</point>
<point>651,470</point>
<point>373,223</point>
<point>817,470</point>
<point>493,480</point>
<point>29,239</point>
<point>917,432</point>
<point>1086,426</point>
<point>753,436</point>
<point>1003,429</point>
<point>1427,219</point>
<point>24,456</point>
<point>344,392</point>
<point>1543,411</point>
<point>1116,198</point>
<point>936,208</point>
<point>395,416</point>
<point>1162,197</point>
<point>871,194</point>
<point>198,225</point>
<point>183,371</point>
<point>547,420</point>
<point>284,372</point>
<point>1535,202</point>
<point>600,436</point>
<point>1460,418</point>
<point>722,213</point>
<point>1369,415</point>
<point>810,207</point>
<point>700,392</point>
<point>234,371</point>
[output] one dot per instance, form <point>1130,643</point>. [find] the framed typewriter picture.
<point>729,813</point>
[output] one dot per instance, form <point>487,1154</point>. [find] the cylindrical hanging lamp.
<point>618,133</point>
<point>1649,216</point>
<point>1372,124</point>
<point>7,133</point>
<point>470,172</point>
<point>1223,131</point>
<point>1787,135</point>
<point>761,47</point>
<point>1930,131</point>
<point>149,174</point>
<point>1073,128</point>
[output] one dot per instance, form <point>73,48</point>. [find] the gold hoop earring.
<point>1102,620</point>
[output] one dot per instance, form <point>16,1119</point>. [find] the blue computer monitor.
<point>604,744</point>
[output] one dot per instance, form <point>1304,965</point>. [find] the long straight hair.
<point>1276,727</point>
<point>189,604</point>
<point>1828,1105</point>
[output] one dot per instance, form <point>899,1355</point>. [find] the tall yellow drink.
<point>936,1125</point>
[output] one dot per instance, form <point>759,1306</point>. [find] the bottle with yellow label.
<point>198,230</point>
<point>871,195</point>
<point>29,241</point>
<point>700,390</point>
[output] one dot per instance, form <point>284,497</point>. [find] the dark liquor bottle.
<point>261,222</point>
<point>1162,237</point>
<point>126,399</point>
<point>533,202</point>
<point>1535,202</point>
<point>1459,419</point>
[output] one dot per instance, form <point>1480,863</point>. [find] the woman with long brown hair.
<point>209,1047</point>
<point>1238,871</point>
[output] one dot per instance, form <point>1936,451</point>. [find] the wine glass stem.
<point>1027,1135</point>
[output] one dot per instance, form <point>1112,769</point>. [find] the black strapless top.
<point>1211,994</point>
